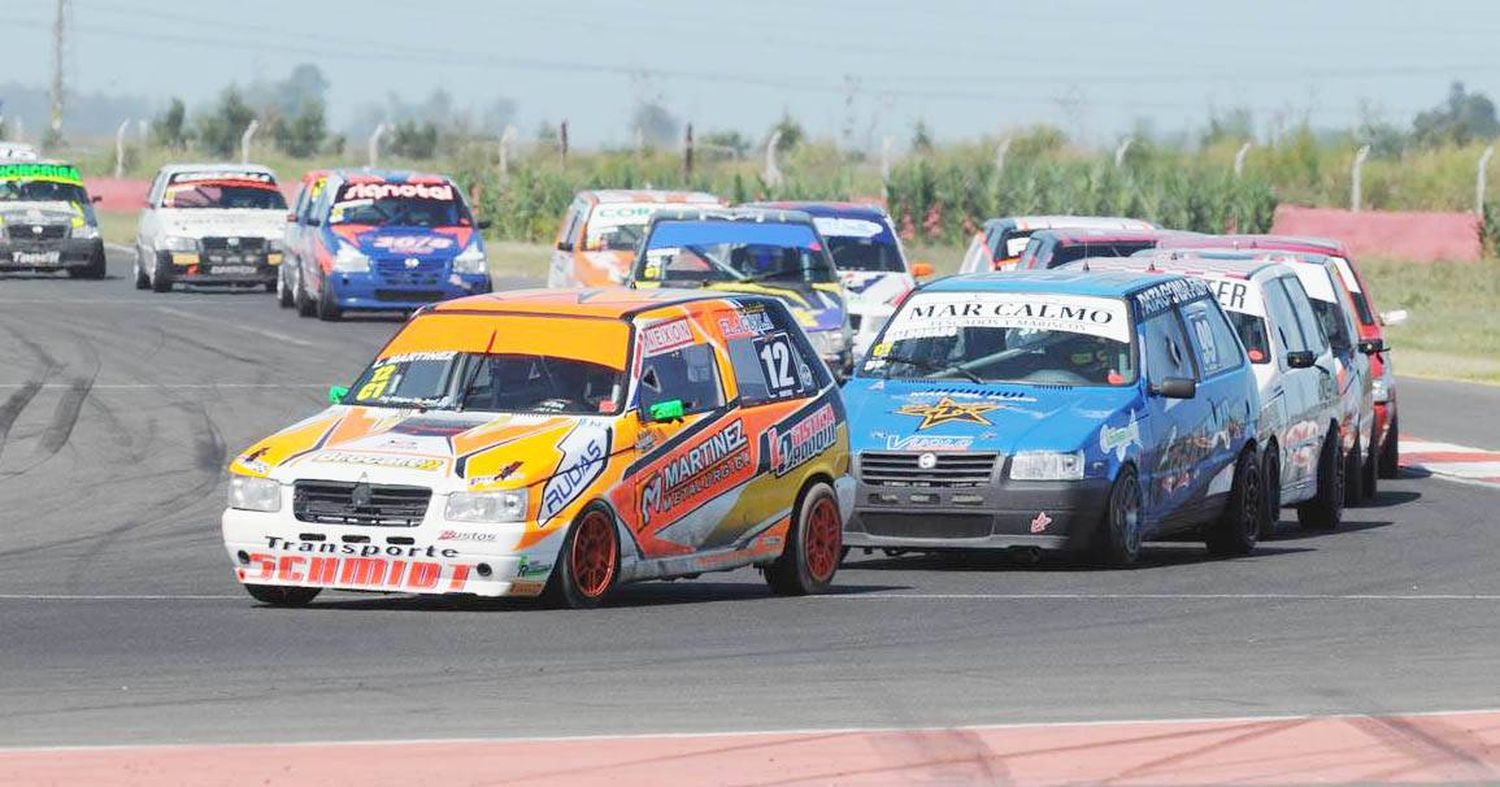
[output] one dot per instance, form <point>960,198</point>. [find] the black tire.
<point>588,565</point>
<point>1270,481</point>
<point>142,280</point>
<point>271,285</point>
<point>1390,451</point>
<point>306,306</point>
<point>1118,542</point>
<point>1234,533</point>
<point>280,596</point>
<point>1326,510</point>
<point>1354,474</point>
<point>813,547</point>
<point>161,276</point>
<point>1369,480</point>
<point>94,270</point>
<point>286,298</point>
<point>328,308</point>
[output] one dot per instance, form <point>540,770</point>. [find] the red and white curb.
<point>1452,461</point>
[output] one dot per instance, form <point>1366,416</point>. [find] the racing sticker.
<point>746,323</point>
<point>367,566</point>
<point>944,314</point>
<point>696,475</point>
<point>666,336</point>
<point>239,175</point>
<point>785,373</point>
<point>1160,297</point>
<point>379,460</point>
<point>835,227</point>
<point>946,410</point>
<point>585,450</point>
<point>62,173</point>
<point>1236,295</point>
<point>928,443</point>
<point>412,244</point>
<point>796,443</point>
<point>351,192</point>
<point>1119,439</point>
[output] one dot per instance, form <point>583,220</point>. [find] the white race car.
<point>211,224</point>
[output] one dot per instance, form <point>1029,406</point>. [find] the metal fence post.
<point>687,153</point>
<point>1356,182</point>
<point>1122,150</point>
<point>374,144</point>
<point>772,173</point>
<point>1239,159</point>
<point>120,148</point>
<point>1479,180</point>
<point>244,139</point>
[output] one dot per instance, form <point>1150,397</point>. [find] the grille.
<point>332,503</point>
<point>24,232</point>
<point>958,469</point>
<point>426,273</point>
<point>402,296</point>
<point>238,246</point>
<point>914,526</point>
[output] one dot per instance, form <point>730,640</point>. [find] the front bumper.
<point>221,268</point>
<point>1003,514</point>
<point>49,255</point>
<point>376,291</point>
<point>431,558</point>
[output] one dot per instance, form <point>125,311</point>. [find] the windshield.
<point>42,191</point>
<point>1008,337</point>
<point>861,244</point>
<point>686,252</point>
<point>490,382</point>
<point>399,204</point>
<point>223,194</point>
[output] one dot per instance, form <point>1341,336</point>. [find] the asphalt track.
<point>120,622</point>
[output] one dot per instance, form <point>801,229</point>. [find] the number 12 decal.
<point>778,360</point>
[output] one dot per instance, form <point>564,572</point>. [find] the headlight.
<point>471,260</point>
<point>249,493</point>
<point>85,232</point>
<point>1046,466</point>
<point>179,243</point>
<point>1382,390</point>
<point>507,506</point>
<point>349,260</point>
<point>827,343</point>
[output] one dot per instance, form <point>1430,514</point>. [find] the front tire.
<point>1390,451</point>
<point>280,596</point>
<point>587,564</point>
<point>1326,510</point>
<point>328,308</point>
<point>306,306</point>
<point>142,281</point>
<point>161,276</point>
<point>813,548</point>
<point>94,270</point>
<point>285,296</point>
<point>1235,531</point>
<point>1119,539</point>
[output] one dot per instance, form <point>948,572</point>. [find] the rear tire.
<point>1234,533</point>
<point>1390,451</point>
<point>1118,542</point>
<point>813,548</point>
<point>588,563</point>
<point>1326,510</point>
<point>1270,481</point>
<point>280,596</point>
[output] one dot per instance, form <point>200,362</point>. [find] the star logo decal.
<point>948,410</point>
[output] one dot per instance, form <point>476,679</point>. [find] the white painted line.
<point>1477,470</point>
<point>173,386</point>
<point>280,337</point>
<point>1161,596</point>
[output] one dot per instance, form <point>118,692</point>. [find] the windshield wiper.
<point>933,367</point>
<point>776,274</point>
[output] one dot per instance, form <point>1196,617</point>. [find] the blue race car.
<point>382,241</point>
<point>1075,411</point>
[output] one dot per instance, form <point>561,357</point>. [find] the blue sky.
<point>1094,67</point>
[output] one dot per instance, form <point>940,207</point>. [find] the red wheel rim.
<point>593,558</point>
<point>824,540</point>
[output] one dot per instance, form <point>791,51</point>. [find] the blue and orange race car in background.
<point>387,241</point>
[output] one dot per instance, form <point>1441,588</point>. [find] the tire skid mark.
<point>14,404</point>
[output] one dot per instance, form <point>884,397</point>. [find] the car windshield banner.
<point>944,314</point>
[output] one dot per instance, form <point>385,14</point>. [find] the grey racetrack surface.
<point>119,409</point>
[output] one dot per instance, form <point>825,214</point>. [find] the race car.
<point>870,260</point>
<point>1302,461</point>
<point>597,240</point>
<point>210,224</point>
<point>1353,373</point>
<point>999,243</point>
<point>376,240</point>
<point>556,443</point>
<point>1370,321</point>
<point>47,220</point>
<point>1052,410</point>
<point>292,238</point>
<point>1052,248</point>
<point>753,250</point>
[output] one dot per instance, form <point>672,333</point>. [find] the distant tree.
<point>792,134</point>
<point>921,137</point>
<point>548,133</point>
<point>1385,139</point>
<point>221,128</point>
<point>1235,125</point>
<point>656,124</point>
<point>414,140</point>
<point>726,141</point>
<point>302,135</point>
<point>169,129</point>
<point>301,90</point>
<point>1463,118</point>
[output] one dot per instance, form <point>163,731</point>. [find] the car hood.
<point>438,243</point>
<point>817,307</point>
<point>39,212</point>
<point>869,290</point>
<point>446,451</point>
<point>942,415</point>
<point>214,222</point>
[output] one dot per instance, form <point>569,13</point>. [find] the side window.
<point>770,354</point>
<point>1331,317</point>
<point>689,373</point>
<point>1302,310</point>
<point>1283,313</point>
<point>154,197</point>
<point>573,233</point>
<point>1167,351</point>
<point>1218,348</point>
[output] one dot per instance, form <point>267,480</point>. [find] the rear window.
<point>1071,252</point>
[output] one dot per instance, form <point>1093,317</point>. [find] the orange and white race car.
<point>556,443</point>
<point>596,243</point>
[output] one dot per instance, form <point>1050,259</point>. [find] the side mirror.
<point>1301,359</point>
<point>484,224</point>
<point>1372,346</point>
<point>1394,317</point>
<point>921,270</point>
<point>1176,388</point>
<point>336,393</point>
<point>664,411</point>
<point>95,198</point>
<point>563,245</point>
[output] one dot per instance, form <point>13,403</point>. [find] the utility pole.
<point>59,32</point>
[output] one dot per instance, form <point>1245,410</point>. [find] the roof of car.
<point>652,195</point>
<point>863,210</point>
<point>227,166</point>
<point>1076,235</point>
<point>1058,222</point>
<point>1264,255</point>
<point>743,214</point>
<point>1077,282</point>
<point>1169,262</point>
<point>367,175</point>
<point>606,302</point>
<point>1265,242</point>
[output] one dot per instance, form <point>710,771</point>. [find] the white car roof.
<point>656,195</point>
<point>219,166</point>
<point>1080,222</point>
<point>18,151</point>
